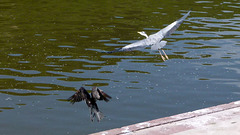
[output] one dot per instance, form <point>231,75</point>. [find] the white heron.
<point>154,40</point>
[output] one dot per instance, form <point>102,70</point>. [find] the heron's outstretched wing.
<point>99,94</point>
<point>136,45</point>
<point>158,45</point>
<point>80,95</point>
<point>157,37</point>
<point>172,27</point>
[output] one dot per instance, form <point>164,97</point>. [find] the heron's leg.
<point>161,55</point>
<point>165,54</point>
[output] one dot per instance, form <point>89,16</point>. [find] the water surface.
<point>51,48</point>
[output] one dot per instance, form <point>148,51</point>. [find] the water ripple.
<point>46,57</point>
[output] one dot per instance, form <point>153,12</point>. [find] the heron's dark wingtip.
<point>116,50</point>
<point>107,52</point>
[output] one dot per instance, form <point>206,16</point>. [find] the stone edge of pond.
<point>180,122</point>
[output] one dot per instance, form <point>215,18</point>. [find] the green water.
<point>48,49</point>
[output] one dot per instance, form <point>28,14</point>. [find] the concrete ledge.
<point>182,122</point>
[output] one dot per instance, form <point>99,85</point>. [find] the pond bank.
<point>219,120</point>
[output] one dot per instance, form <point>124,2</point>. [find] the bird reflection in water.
<point>96,94</point>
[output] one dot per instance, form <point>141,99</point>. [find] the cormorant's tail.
<point>96,113</point>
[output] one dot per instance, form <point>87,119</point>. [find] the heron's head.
<point>143,33</point>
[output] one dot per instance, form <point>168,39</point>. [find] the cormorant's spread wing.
<point>104,95</point>
<point>80,95</point>
<point>99,94</point>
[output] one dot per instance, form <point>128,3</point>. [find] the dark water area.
<point>48,49</point>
